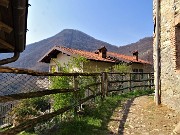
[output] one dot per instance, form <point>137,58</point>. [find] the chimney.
<point>135,54</point>
<point>103,52</point>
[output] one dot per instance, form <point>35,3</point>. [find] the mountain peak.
<point>73,32</point>
<point>69,38</point>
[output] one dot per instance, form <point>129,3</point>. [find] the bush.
<point>29,108</point>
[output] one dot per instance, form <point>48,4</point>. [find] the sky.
<point>118,22</point>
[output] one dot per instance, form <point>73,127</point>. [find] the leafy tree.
<point>60,82</point>
<point>123,68</point>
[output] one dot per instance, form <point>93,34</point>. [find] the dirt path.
<point>140,116</point>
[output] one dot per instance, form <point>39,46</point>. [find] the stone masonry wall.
<point>169,50</point>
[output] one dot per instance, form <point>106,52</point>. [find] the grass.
<point>95,118</point>
<point>26,133</point>
<point>5,128</point>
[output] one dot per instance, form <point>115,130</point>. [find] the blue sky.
<point>118,22</point>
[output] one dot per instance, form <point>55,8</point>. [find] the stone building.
<point>169,51</point>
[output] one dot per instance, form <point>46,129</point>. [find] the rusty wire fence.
<point>19,84</point>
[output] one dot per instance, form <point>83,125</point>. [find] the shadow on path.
<point>125,112</point>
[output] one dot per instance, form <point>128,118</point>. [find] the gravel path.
<point>140,116</point>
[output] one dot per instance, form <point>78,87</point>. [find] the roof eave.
<point>14,17</point>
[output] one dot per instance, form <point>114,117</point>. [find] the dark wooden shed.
<point>13,26</point>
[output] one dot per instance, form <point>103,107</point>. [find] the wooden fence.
<point>102,85</point>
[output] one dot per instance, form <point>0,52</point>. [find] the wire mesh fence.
<point>79,88</point>
<point>22,86</point>
<point>22,83</point>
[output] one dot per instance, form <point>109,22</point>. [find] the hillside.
<point>144,46</point>
<point>78,40</point>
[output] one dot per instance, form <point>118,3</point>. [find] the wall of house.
<point>102,66</point>
<point>169,50</point>
<point>61,59</point>
<point>96,66</point>
<point>91,66</point>
<point>146,67</point>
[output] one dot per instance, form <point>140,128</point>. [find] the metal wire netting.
<point>22,83</point>
<point>11,83</point>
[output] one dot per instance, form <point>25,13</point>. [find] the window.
<point>59,69</point>
<point>135,70</point>
<point>137,76</point>
<point>52,68</point>
<point>140,70</point>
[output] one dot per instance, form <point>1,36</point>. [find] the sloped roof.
<point>111,56</point>
<point>127,58</point>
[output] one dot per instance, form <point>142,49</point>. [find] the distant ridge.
<point>77,40</point>
<point>144,47</point>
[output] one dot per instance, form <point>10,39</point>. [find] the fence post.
<point>130,85</point>
<point>104,84</point>
<point>95,87</point>
<point>149,82</point>
<point>75,81</point>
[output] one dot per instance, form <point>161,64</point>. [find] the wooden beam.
<point>28,124</point>
<point>5,28</point>
<point>6,45</point>
<point>32,122</point>
<point>4,69</point>
<point>4,3</point>
<point>12,97</point>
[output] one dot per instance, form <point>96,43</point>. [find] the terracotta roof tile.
<point>86,54</point>
<point>127,58</point>
<point>111,56</point>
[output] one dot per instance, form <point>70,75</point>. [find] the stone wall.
<point>169,53</point>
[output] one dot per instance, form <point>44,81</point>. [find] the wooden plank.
<point>116,90</point>
<point>145,80</point>
<point>4,69</point>
<point>4,3</point>
<point>75,81</point>
<point>89,97</point>
<point>119,81</point>
<point>32,122</point>
<point>19,96</point>
<point>117,73</point>
<point>93,84</point>
<point>5,28</point>
<point>130,82</point>
<point>103,85</point>
<point>6,45</point>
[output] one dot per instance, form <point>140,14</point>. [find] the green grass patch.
<point>96,116</point>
